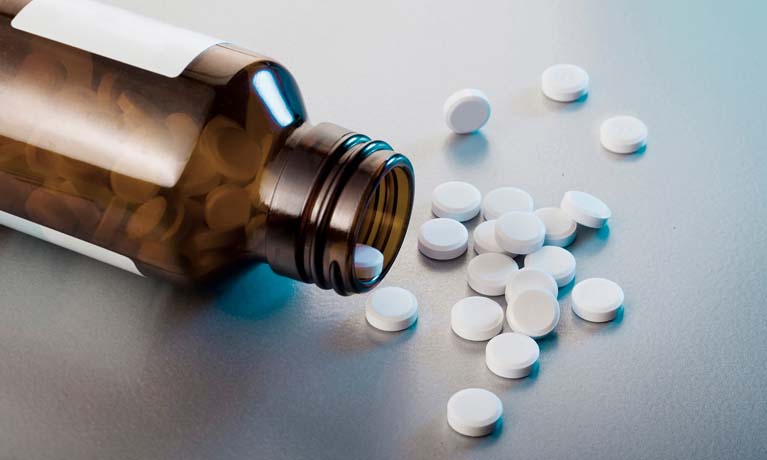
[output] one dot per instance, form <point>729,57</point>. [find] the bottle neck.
<point>333,189</point>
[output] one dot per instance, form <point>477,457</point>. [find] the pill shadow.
<point>436,439</point>
<point>565,290</point>
<point>564,106</point>
<point>252,292</point>
<point>590,240</point>
<point>355,335</point>
<point>466,150</point>
<point>625,157</point>
<point>548,343</point>
<point>581,325</point>
<point>469,348</point>
<point>444,266</point>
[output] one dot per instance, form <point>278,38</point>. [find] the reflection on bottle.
<point>266,88</point>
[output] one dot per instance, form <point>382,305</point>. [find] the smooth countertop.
<point>99,363</point>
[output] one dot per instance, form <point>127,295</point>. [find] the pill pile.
<point>536,238</point>
<point>512,232</point>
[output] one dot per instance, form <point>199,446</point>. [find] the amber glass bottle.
<point>184,177</point>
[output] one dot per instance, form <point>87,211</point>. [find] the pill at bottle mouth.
<point>557,262</point>
<point>623,134</point>
<point>456,200</point>
<point>511,355</point>
<point>476,318</point>
<point>466,111</point>
<point>474,412</point>
<point>442,239</point>
<point>597,300</point>
<point>391,309</point>
<point>506,199</point>
<point>565,82</point>
<point>488,273</point>
<point>520,232</point>
<point>585,209</point>
<point>368,262</point>
<point>534,313</point>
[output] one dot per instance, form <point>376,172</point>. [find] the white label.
<point>114,33</point>
<point>65,241</point>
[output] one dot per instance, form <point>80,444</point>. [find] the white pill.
<point>585,209</point>
<point>556,261</point>
<point>476,318</point>
<point>466,111</point>
<point>511,355</point>
<point>565,82</point>
<point>560,228</point>
<point>442,239</point>
<point>488,273</point>
<point>527,279</point>
<point>623,134</point>
<point>506,199</point>
<point>534,312</point>
<point>456,200</point>
<point>484,238</point>
<point>597,300</point>
<point>520,232</point>
<point>474,412</point>
<point>391,309</point>
<point>368,262</point>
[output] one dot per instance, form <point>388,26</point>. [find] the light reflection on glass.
<point>266,87</point>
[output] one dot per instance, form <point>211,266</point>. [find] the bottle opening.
<point>385,218</point>
<point>337,189</point>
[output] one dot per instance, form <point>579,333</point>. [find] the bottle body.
<point>186,176</point>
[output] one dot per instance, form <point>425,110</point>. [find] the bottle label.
<point>62,239</point>
<point>114,33</point>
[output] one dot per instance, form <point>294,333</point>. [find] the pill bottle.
<point>171,154</point>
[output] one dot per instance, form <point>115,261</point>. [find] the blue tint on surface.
<point>255,293</point>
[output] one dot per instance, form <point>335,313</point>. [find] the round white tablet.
<point>623,134</point>
<point>585,209</point>
<point>511,355</point>
<point>474,412</point>
<point>368,262</point>
<point>456,200</point>
<point>484,238</point>
<point>442,239</point>
<point>391,309</point>
<point>506,199</point>
<point>560,228</point>
<point>527,279</point>
<point>533,312</point>
<point>488,273</point>
<point>556,261</point>
<point>565,82</point>
<point>467,111</point>
<point>520,232</point>
<point>476,318</point>
<point>597,300</point>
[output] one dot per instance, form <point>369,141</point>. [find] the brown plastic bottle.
<point>185,177</point>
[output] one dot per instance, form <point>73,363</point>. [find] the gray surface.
<point>97,363</point>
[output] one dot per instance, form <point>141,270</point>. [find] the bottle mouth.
<point>384,217</point>
<point>336,189</point>
<point>373,209</point>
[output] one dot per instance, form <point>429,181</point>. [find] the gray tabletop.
<point>99,363</point>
